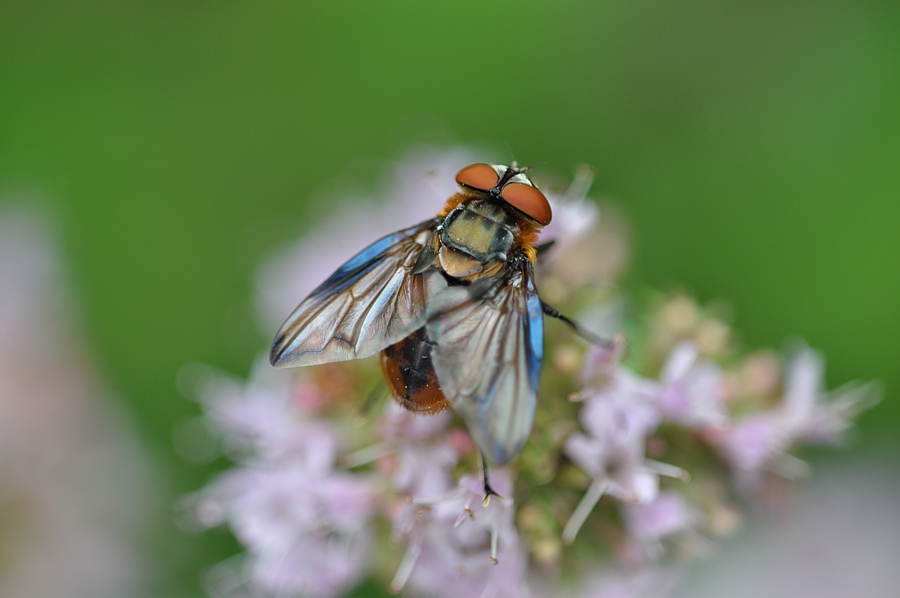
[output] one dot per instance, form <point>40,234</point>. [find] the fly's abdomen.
<point>410,375</point>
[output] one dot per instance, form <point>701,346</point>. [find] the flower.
<point>317,503</point>
<point>456,545</point>
<point>668,515</point>
<point>76,489</point>
<point>692,391</point>
<point>463,547</point>
<point>813,416</point>
<point>574,217</point>
<point>301,517</point>
<point>760,442</point>
<point>619,418</point>
<point>422,451</point>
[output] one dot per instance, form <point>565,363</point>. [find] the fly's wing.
<point>488,347</point>
<point>371,302</point>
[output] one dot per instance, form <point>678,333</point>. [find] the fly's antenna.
<point>512,155</point>
<point>432,179</point>
<point>581,184</point>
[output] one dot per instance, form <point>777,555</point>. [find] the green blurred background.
<point>755,146</point>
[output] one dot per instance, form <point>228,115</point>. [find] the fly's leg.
<point>375,396</point>
<point>543,248</point>
<point>606,342</point>
<point>488,491</point>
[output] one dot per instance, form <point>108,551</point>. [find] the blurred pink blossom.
<point>618,418</point>
<point>76,492</point>
<point>302,519</point>
<point>422,451</point>
<point>693,392</point>
<point>760,442</point>
<point>667,516</point>
<point>461,547</point>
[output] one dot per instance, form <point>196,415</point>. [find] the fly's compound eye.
<point>528,200</point>
<point>478,176</point>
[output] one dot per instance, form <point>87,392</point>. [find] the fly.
<point>451,306</point>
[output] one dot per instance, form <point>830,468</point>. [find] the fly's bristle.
<point>451,204</point>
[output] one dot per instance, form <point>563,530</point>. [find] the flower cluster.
<point>302,517</point>
<point>642,454</point>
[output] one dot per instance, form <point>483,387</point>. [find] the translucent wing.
<point>372,301</point>
<point>488,347</point>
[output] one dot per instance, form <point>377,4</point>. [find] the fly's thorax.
<point>482,229</point>
<point>478,235</point>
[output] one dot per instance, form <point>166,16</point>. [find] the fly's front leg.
<point>543,249</point>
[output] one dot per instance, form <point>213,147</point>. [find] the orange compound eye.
<point>478,176</point>
<point>528,200</point>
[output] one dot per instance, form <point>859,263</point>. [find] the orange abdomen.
<point>410,375</point>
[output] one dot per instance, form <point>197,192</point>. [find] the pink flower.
<point>760,442</point>
<point>305,532</point>
<point>601,361</point>
<point>650,524</point>
<point>692,391</point>
<point>462,547</point>
<point>76,488</point>
<point>303,520</point>
<point>618,419</point>
<point>755,440</point>
<point>262,419</point>
<point>624,406</point>
<point>667,515</point>
<point>314,566</point>
<point>422,449</point>
<point>810,414</point>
